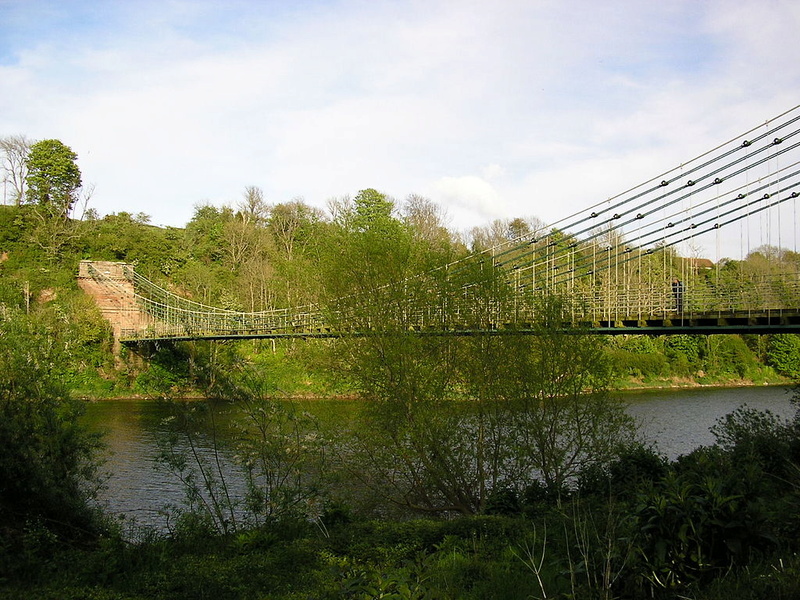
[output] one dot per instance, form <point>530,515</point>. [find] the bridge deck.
<point>766,322</point>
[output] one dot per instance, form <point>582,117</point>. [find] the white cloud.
<point>493,171</point>
<point>495,110</point>
<point>471,199</point>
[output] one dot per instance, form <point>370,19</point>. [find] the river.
<point>676,421</point>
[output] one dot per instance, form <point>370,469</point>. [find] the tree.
<point>48,466</point>
<point>373,211</point>
<point>565,416</point>
<point>53,177</point>
<point>340,210</point>
<point>368,246</point>
<point>539,406</point>
<point>128,238</point>
<point>240,236</point>
<point>15,150</point>
<point>277,448</point>
<point>253,208</point>
<point>501,231</point>
<point>289,223</point>
<point>256,281</point>
<point>206,231</point>
<point>425,217</point>
<point>784,354</point>
<point>410,449</point>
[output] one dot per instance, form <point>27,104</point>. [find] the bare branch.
<point>14,152</point>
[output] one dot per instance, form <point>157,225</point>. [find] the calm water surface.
<point>677,421</point>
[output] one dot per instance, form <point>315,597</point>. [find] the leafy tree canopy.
<point>53,177</point>
<point>373,211</point>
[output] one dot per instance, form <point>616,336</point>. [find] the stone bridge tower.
<point>112,290</point>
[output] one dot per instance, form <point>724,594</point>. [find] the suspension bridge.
<point>614,264</point>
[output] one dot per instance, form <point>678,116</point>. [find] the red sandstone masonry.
<point>113,293</point>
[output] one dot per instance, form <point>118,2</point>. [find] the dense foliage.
<point>555,499</point>
<point>720,522</point>
<point>48,463</point>
<point>259,256</point>
<point>53,177</point>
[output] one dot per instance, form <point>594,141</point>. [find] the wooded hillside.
<point>258,256</point>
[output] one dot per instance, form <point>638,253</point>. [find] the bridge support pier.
<point>112,290</point>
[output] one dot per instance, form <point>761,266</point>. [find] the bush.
<point>636,464</point>
<point>683,347</point>
<point>759,437</point>
<point>728,354</point>
<point>683,352</point>
<point>763,456</point>
<point>639,365</point>
<point>503,501</point>
<point>48,465</point>
<point>783,353</point>
<point>691,531</point>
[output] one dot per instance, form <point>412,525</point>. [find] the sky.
<point>492,109</point>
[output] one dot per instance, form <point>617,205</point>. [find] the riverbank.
<point>309,370</point>
<point>678,383</point>
<point>630,385</point>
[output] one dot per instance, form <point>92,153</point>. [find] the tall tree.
<point>53,177</point>
<point>565,416</point>
<point>503,230</point>
<point>426,220</point>
<point>253,207</point>
<point>48,465</point>
<point>291,223</point>
<point>15,150</point>
<point>373,211</point>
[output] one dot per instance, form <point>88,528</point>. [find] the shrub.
<point>48,464</point>
<point>683,346</point>
<point>639,365</point>
<point>760,437</point>
<point>728,354</point>
<point>503,501</point>
<point>635,465</point>
<point>692,531</point>
<point>683,352</point>
<point>783,353</point>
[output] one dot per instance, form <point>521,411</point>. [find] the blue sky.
<point>492,109</point>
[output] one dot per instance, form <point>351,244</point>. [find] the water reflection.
<point>136,487</point>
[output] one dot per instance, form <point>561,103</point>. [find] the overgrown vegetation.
<point>536,489</point>
<point>49,460</point>
<point>719,522</point>
<point>259,256</point>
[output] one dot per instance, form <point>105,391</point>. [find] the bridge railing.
<point>173,322</point>
<point>761,295</point>
<point>766,294</point>
<point>609,303</point>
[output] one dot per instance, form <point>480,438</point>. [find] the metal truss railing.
<point>603,304</point>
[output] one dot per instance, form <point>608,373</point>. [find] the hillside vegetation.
<point>514,449</point>
<point>258,256</point>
